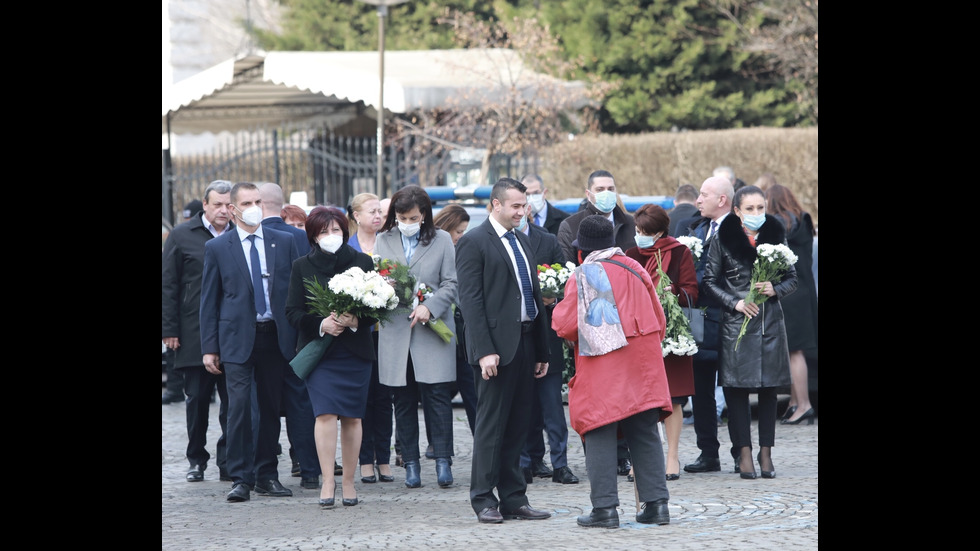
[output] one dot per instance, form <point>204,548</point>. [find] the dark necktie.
<point>525,278</point>
<point>257,278</point>
<point>714,228</point>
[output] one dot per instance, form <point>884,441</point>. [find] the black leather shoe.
<point>540,470</point>
<point>564,475</point>
<point>223,475</point>
<point>349,502</point>
<point>703,465</point>
<point>369,479</point>
<point>272,488</point>
<point>624,467</point>
<point>673,476</point>
<point>296,470</point>
<point>654,512</point>
<point>196,474</point>
<point>310,483</point>
<point>528,476</point>
<point>172,397</point>
<point>526,512</point>
<point>489,516</point>
<point>444,474</point>
<point>413,477</point>
<point>385,477</point>
<point>337,469</point>
<point>239,492</point>
<point>600,517</point>
<point>326,503</point>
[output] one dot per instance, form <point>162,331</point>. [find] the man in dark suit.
<point>684,207</point>
<point>296,405</point>
<point>245,334</point>
<point>714,203</point>
<point>507,345</point>
<point>543,213</point>
<point>547,409</point>
<point>183,264</point>
<point>548,415</point>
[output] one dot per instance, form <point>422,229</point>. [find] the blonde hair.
<point>356,203</point>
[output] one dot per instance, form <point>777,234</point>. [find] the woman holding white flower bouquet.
<point>659,253</point>
<point>749,289</point>
<point>413,359</point>
<point>338,385</point>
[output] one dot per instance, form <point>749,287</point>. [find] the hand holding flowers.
<point>771,264</point>
<point>352,293</point>
<point>678,339</point>
<point>423,292</point>
<point>410,293</point>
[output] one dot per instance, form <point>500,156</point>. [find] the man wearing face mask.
<point>245,335</point>
<point>543,213</point>
<point>602,197</point>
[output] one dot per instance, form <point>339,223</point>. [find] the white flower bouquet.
<point>771,263</point>
<point>553,277</point>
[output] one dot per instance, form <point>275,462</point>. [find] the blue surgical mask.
<point>754,221</point>
<point>523,224</point>
<point>605,201</point>
<point>645,241</point>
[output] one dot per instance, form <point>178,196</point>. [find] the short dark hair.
<point>652,218</point>
<point>686,192</point>
<point>499,190</point>
<point>598,174</point>
<point>742,192</point>
<point>320,217</point>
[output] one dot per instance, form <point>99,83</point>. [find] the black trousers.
<point>437,408</point>
<point>199,385</point>
<point>503,411</point>
<point>377,422</point>
<point>704,407</point>
<point>740,416</point>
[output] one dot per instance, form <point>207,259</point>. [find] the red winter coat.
<point>626,381</point>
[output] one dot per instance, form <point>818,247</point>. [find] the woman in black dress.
<point>338,385</point>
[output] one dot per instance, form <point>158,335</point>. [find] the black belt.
<point>526,326</point>
<point>265,326</point>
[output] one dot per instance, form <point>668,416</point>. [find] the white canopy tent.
<point>333,87</point>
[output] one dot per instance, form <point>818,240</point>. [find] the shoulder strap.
<point>623,265</point>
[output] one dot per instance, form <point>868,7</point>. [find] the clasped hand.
<point>335,324</point>
<point>421,314</point>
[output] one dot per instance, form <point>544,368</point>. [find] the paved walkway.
<point>708,511</point>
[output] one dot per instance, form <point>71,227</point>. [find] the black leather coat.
<point>762,358</point>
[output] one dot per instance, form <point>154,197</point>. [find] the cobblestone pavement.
<point>707,511</point>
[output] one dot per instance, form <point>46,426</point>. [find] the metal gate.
<point>330,168</point>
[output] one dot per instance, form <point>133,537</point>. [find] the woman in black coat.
<point>761,363</point>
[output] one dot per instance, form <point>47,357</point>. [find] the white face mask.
<point>252,215</point>
<point>536,202</point>
<point>408,230</point>
<point>330,243</point>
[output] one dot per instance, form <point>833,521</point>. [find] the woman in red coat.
<point>652,222</point>
<point>613,316</point>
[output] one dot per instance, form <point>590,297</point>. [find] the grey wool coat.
<point>433,359</point>
<point>762,358</point>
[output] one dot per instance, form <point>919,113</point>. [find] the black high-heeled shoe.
<point>370,479</point>
<point>809,416</point>
<point>349,502</point>
<point>788,413</point>
<point>742,472</point>
<point>765,473</point>
<point>326,503</point>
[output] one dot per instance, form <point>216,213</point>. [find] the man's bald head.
<point>272,199</point>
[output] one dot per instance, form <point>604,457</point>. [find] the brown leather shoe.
<point>489,515</point>
<point>526,512</point>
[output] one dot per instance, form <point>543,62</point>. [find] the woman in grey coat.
<point>761,363</point>
<point>412,358</point>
